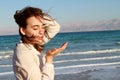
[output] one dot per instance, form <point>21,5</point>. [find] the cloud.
<point>113,24</point>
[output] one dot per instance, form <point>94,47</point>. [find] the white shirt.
<point>29,64</point>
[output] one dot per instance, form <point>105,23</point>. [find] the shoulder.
<point>23,50</point>
<point>23,47</point>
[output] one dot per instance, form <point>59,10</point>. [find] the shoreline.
<point>101,74</point>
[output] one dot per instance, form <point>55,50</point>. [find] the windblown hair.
<point>21,17</point>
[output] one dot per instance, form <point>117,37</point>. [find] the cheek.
<point>43,31</point>
<point>30,33</point>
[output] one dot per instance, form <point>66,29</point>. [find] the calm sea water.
<point>86,51</point>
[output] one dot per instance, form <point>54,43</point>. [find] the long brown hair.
<point>20,18</point>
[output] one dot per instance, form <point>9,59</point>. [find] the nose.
<point>41,31</point>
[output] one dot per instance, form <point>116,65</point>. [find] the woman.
<point>36,28</point>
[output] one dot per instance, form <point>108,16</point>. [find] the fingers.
<point>53,52</point>
<point>64,46</point>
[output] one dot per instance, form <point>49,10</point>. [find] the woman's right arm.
<point>52,28</point>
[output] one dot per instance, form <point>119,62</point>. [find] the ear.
<point>22,30</point>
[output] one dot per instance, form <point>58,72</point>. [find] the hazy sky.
<point>64,11</point>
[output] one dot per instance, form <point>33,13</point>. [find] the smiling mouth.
<point>41,37</point>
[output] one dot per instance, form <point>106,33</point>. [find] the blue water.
<point>86,51</point>
<point>85,41</point>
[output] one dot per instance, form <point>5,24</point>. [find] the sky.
<point>68,13</point>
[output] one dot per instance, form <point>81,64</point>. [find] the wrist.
<point>49,59</point>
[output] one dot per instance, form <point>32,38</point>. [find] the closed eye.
<point>35,27</point>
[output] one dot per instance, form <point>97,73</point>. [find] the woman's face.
<point>34,28</point>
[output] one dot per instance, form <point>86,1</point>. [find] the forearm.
<point>48,72</point>
<point>52,28</point>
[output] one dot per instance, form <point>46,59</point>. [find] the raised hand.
<point>50,54</point>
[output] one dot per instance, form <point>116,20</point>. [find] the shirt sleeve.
<point>26,68</point>
<point>48,72</point>
<point>52,28</point>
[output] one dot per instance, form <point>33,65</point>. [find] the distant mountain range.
<point>113,24</point>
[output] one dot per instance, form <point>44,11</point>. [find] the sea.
<point>86,52</point>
